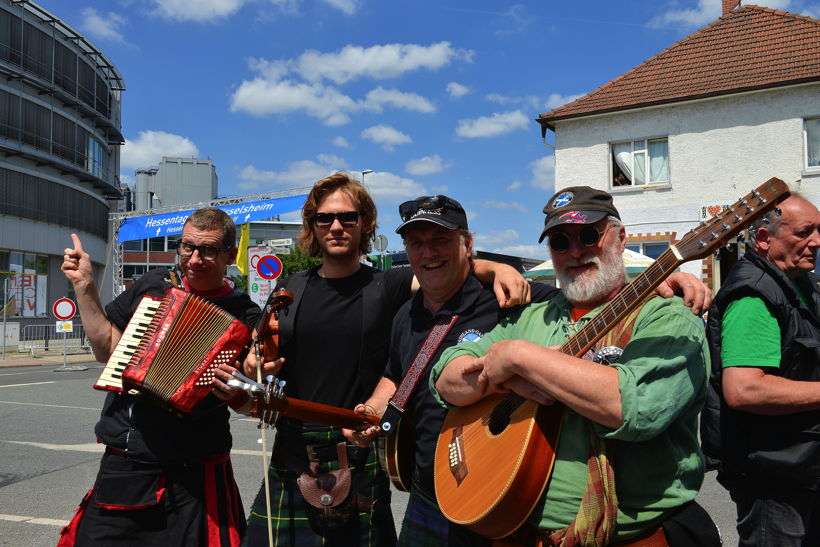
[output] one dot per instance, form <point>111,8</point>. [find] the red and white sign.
<point>64,309</point>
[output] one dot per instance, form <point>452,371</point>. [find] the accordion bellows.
<point>170,349</point>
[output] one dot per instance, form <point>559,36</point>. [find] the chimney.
<point>729,5</point>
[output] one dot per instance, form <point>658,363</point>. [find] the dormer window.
<point>640,163</point>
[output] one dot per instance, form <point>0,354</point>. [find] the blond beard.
<point>593,285</point>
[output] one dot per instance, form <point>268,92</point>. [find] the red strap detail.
<point>428,349</point>
<point>219,292</point>
<point>68,535</point>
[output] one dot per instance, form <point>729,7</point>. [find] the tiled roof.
<point>749,48</point>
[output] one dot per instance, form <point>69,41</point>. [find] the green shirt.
<point>750,336</point>
<point>662,377</point>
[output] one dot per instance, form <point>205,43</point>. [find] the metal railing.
<point>46,338</point>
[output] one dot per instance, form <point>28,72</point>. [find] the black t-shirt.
<point>146,431</point>
<point>322,357</point>
<point>478,313</point>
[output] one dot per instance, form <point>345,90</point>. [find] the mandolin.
<point>494,458</point>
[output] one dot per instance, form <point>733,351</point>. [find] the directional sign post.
<point>261,283</point>
<point>64,309</point>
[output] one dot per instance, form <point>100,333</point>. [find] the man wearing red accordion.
<point>164,479</point>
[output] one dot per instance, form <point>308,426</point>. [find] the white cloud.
<point>515,185</point>
<point>527,251</point>
<point>506,205</point>
<point>515,21</point>
<point>348,7</point>
<point>341,142</point>
<point>426,165</point>
<point>705,12</point>
<point>495,238</point>
<point>555,100</point>
<point>377,98</point>
<point>390,189</point>
<point>543,174</point>
<point>278,89</point>
<point>104,27</point>
<point>298,174</point>
<point>260,97</point>
<point>150,146</point>
<point>388,137</point>
<point>492,126</point>
<point>200,11</point>
<point>377,62</point>
<point>527,101</point>
<point>456,90</point>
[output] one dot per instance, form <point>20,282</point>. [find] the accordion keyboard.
<point>111,376</point>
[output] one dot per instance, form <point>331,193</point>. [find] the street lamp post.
<point>365,172</point>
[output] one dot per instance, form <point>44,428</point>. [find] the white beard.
<point>595,284</point>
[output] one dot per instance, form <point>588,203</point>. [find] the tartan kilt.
<point>289,521</point>
<point>425,526</point>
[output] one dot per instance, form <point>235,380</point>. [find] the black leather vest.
<point>738,443</point>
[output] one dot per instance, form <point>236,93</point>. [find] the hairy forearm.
<point>588,388</point>
<point>102,335</point>
<point>458,383</point>
<point>751,390</point>
<point>381,395</point>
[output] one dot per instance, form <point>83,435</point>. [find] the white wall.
<point>719,149</point>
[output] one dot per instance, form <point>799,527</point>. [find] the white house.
<point>699,125</point>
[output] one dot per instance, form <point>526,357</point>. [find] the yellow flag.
<point>242,255</point>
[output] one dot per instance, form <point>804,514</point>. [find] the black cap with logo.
<point>577,205</point>
<point>440,210</point>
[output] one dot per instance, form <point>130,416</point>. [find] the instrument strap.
<point>395,408</point>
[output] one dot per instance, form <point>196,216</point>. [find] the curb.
<point>50,360</point>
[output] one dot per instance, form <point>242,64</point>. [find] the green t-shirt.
<point>750,336</point>
<point>662,377</point>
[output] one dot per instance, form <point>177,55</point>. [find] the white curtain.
<point>813,142</point>
<point>658,161</point>
<point>622,152</point>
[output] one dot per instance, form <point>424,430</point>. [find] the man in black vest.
<point>334,341</point>
<point>761,426</point>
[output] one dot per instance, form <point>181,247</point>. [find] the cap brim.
<point>422,218</point>
<point>591,218</point>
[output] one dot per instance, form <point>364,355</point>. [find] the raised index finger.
<point>78,246</point>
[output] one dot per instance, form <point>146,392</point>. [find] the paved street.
<point>50,458</point>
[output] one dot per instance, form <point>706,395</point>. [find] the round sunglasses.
<point>587,236</point>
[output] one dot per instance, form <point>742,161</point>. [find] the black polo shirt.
<point>148,432</point>
<point>478,311</point>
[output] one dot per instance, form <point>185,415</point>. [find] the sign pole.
<point>64,309</point>
<point>5,311</point>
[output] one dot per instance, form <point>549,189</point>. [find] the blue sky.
<point>433,96</point>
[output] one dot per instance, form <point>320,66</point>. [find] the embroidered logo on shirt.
<point>470,335</point>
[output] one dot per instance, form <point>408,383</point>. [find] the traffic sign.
<point>64,309</point>
<point>269,267</point>
<point>65,326</point>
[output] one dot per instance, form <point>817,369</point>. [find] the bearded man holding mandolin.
<point>452,306</point>
<point>628,465</point>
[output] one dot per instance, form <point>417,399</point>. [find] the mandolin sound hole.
<point>499,419</point>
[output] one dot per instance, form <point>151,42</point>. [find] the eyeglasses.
<point>206,252</point>
<point>347,219</point>
<point>408,209</point>
<point>588,236</point>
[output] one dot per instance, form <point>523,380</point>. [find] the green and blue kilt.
<point>372,526</point>
<point>425,526</point>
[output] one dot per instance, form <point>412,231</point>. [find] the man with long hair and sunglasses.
<point>439,248</point>
<point>627,464</point>
<point>151,486</point>
<point>333,341</point>
<point>761,425</point>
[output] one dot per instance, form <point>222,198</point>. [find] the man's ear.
<point>762,239</point>
<point>622,237</point>
<point>232,252</point>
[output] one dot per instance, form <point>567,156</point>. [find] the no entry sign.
<point>64,309</point>
<point>269,266</point>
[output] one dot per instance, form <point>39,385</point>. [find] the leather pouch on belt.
<point>329,504</point>
<point>124,484</point>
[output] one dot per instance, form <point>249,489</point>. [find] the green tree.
<point>297,261</point>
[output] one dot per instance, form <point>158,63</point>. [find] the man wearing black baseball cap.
<point>440,250</point>
<point>642,408</point>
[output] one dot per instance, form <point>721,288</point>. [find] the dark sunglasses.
<point>347,219</point>
<point>408,209</point>
<point>588,236</point>
<point>206,252</point>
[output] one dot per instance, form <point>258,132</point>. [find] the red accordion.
<point>170,349</point>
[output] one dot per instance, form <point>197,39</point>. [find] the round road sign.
<point>64,309</point>
<point>269,266</point>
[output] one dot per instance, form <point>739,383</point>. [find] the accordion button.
<point>326,499</point>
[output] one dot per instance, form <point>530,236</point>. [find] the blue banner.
<point>168,224</point>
